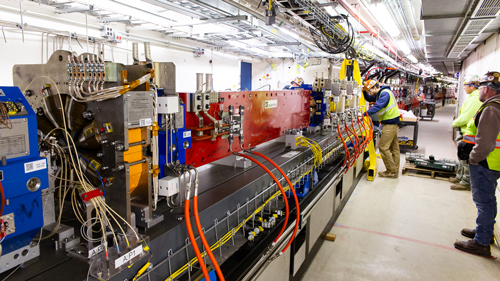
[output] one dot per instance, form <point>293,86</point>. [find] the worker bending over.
<point>483,138</point>
<point>469,108</point>
<point>387,110</point>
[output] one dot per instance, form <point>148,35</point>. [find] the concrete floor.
<point>404,229</point>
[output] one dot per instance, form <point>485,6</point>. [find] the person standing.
<point>483,132</point>
<point>387,110</point>
<point>470,106</point>
<point>296,83</point>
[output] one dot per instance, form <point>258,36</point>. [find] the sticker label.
<point>271,104</point>
<point>96,251</point>
<point>290,154</point>
<point>35,166</point>
<point>186,134</point>
<point>145,122</point>
<point>95,163</point>
<point>128,256</point>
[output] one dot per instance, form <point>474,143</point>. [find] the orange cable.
<point>204,240</point>
<point>346,154</point>
<point>280,187</point>
<point>193,240</point>
<point>294,197</point>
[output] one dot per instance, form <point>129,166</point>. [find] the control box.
<point>23,177</point>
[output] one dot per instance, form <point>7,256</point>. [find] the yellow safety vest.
<point>493,159</point>
<point>391,110</point>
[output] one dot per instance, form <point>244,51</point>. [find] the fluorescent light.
<point>260,51</point>
<point>281,54</point>
<point>238,44</point>
<point>331,11</point>
<point>403,47</point>
<point>290,33</point>
<point>380,12</point>
<point>412,58</point>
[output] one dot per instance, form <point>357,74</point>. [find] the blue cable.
<point>103,192</point>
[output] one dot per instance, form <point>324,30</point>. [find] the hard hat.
<point>490,76</point>
<point>471,79</point>
<point>369,84</point>
<point>299,80</point>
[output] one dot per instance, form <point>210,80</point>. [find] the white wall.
<point>286,71</point>
<point>485,58</point>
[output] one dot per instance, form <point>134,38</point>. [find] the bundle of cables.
<point>334,41</point>
<point>4,116</point>
<point>70,164</point>
<point>315,148</point>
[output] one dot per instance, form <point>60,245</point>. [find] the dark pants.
<point>483,183</point>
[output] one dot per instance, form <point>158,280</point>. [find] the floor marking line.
<point>399,237</point>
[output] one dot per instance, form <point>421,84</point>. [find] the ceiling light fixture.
<point>238,44</point>
<point>385,19</point>
<point>412,58</point>
<point>403,47</point>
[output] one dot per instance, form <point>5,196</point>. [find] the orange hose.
<point>357,139</point>
<point>347,154</point>
<point>280,187</point>
<point>294,197</point>
<point>193,241</point>
<point>354,146</point>
<point>365,141</point>
<point>204,240</point>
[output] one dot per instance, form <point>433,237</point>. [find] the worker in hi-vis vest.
<point>483,142</point>
<point>467,111</point>
<point>387,110</point>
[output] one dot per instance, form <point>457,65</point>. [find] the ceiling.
<point>453,28</point>
<point>435,33</point>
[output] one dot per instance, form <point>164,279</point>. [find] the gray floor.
<point>404,229</point>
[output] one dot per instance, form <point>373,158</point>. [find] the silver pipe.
<point>209,82</point>
<point>138,162</point>
<point>199,82</point>
<point>22,20</point>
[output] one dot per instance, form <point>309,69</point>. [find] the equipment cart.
<point>427,109</point>
<point>410,144</point>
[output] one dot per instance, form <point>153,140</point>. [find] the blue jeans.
<point>483,184</point>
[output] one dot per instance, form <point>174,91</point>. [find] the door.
<point>246,76</point>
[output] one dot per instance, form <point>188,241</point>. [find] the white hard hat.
<point>471,79</point>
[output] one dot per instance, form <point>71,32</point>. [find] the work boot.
<point>459,187</point>
<point>388,174</point>
<point>472,247</point>
<point>453,180</point>
<point>471,233</point>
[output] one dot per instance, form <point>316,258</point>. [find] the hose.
<point>354,146</point>
<point>280,187</point>
<point>202,235</point>
<point>365,142</point>
<point>190,231</point>
<point>347,154</point>
<point>294,197</point>
<point>357,139</point>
